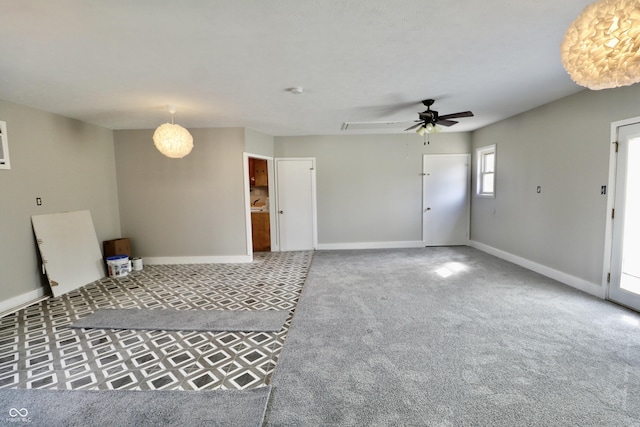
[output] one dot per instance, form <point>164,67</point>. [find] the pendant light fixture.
<point>601,48</point>
<point>173,140</point>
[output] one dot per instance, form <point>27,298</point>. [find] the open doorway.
<point>258,170</point>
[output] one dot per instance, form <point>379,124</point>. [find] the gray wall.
<point>258,143</point>
<point>71,166</point>
<point>369,187</point>
<point>186,207</point>
<point>563,147</point>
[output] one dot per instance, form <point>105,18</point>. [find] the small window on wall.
<point>486,171</point>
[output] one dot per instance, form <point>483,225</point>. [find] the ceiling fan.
<point>429,119</point>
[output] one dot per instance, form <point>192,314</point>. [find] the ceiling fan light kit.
<point>601,48</point>
<point>173,140</point>
<point>428,128</point>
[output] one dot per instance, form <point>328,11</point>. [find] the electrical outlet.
<point>39,201</point>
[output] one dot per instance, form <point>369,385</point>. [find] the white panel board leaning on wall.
<point>69,249</point>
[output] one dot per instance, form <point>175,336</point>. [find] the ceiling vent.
<point>377,126</point>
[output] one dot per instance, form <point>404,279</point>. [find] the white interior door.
<point>296,198</point>
<point>624,287</point>
<point>445,216</point>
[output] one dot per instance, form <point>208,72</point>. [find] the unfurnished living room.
<point>330,213</point>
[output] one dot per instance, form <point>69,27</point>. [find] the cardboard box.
<point>116,247</point>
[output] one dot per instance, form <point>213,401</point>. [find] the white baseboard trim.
<point>225,259</point>
<point>575,282</point>
<point>369,245</point>
<point>16,303</point>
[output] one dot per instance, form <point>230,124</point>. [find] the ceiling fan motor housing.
<point>429,116</point>
<point>432,117</point>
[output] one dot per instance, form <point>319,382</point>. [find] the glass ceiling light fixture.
<point>427,129</point>
<point>601,48</point>
<point>172,140</point>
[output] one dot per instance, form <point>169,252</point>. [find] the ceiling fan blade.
<point>446,122</point>
<point>414,126</point>
<point>457,115</point>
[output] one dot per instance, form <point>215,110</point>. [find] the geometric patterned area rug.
<point>68,408</point>
<point>184,320</point>
<point>39,349</point>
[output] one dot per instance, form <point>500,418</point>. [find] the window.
<point>4,147</point>
<point>486,171</point>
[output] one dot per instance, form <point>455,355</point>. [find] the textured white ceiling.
<point>119,63</point>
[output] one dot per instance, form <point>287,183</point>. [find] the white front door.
<point>445,216</point>
<point>624,287</point>
<point>296,204</point>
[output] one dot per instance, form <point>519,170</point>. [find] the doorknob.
<point>427,209</point>
<point>280,212</point>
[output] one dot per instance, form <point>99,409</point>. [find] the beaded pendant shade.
<point>601,48</point>
<point>173,140</point>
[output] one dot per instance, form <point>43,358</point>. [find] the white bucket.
<point>118,265</point>
<point>137,264</point>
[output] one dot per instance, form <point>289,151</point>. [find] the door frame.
<point>314,205</point>
<point>611,193</point>
<point>247,201</point>
<point>467,157</point>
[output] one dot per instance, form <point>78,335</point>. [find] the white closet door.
<point>446,196</point>
<point>296,204</point>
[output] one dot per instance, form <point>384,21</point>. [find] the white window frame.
<point>4,145</point>
<point>481,171</point>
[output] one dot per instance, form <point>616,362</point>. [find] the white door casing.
<point>624,286</point>
<point>446,199</point>
<point>247,201</point>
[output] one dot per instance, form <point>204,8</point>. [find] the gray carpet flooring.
<point>117,408</point>
<point>452,337</point>
<point>185,320</point>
